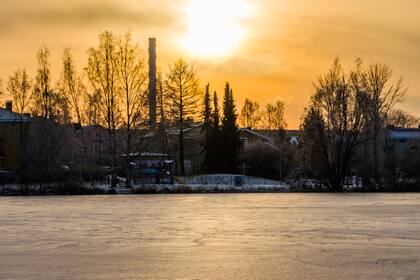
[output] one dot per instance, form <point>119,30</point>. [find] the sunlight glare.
<point>214,26</point>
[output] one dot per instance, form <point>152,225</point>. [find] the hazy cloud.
<point>81,13</point>
<point>289,43</point>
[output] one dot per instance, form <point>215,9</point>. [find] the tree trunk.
<point>128,161</point>
<point>181,147</point>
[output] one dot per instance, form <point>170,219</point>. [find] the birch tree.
<point>250,114</point>
<point>132,78</point>
<point>19,87</point>
<point>72,87</point>
<point>103,76</point>
<point>43,95</point>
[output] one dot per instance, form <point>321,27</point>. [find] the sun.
<point>214,26</point>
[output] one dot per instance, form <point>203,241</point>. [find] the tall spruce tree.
<point>216,145</point>
<point>206,130</point>
<point>230,133</point>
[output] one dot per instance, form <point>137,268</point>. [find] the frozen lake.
<point>218,236</point>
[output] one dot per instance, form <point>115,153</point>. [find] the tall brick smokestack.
<point>152,82</point>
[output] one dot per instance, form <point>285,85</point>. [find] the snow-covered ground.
<point>226,182</point>
<point>226,179</point>
<point>197,183</point>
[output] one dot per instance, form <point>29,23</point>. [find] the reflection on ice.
<point>221,236</point>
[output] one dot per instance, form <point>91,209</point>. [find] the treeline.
<point>271,116</point>
<point>344,135</point>
<point>344,129</point>
<point>221,143</point>
<point>112,92</point>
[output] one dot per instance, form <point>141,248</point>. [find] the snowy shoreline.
<point>101,189</point>
<point>216,183</point>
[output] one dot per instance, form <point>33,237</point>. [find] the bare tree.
<point>274,116</point>
<point>164,117</point>
<point>182,89</point>
<point>399,118</point>
<point>250,114</point>
<point>132,77</point>
<point>60,109</point>
<point>382,98</point>
<point>333,124</point>
<point>72,88</point>
<point>103,76</point>
<point>93,112</point>
<point>42,89</point>
<point>73,92</point>
<point>93,118</point>
<point>19,86</point>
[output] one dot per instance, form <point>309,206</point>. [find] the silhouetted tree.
<point>262,159</point>
<point>72,88</point>
<point>333,124</point>
<point>60,109</point>
<point>229,133</point>
<point>47,102</point>
<point>274,116</point>
<point>163,118</point>
<point>216,147</point>
<point>132,77</point>
<point>183,95</point>
<point>73,91</point>
<point>250,114</point>
<point>382,96</point>
<point>399,118</point>
<point>216,112</point>
<point>43,95</point>
<point>19,86</point>
<point>93,112</point>
<point>206,130</point>
<point>103,76</point>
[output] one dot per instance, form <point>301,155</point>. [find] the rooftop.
<point>7,116</point>
<point>404,133</point>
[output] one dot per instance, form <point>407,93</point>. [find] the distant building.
<point>193,138</point>
<point>89,145</point>
<point>249,136</point>
<point>402,143</point>
<point>13,131</point>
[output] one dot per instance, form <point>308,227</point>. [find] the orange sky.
<point>285,43</point>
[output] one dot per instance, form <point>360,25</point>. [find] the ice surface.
<point>216,236</point>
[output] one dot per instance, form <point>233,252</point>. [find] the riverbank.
<point>104,189</point>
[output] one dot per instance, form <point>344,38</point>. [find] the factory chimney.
<point>152,83</point>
